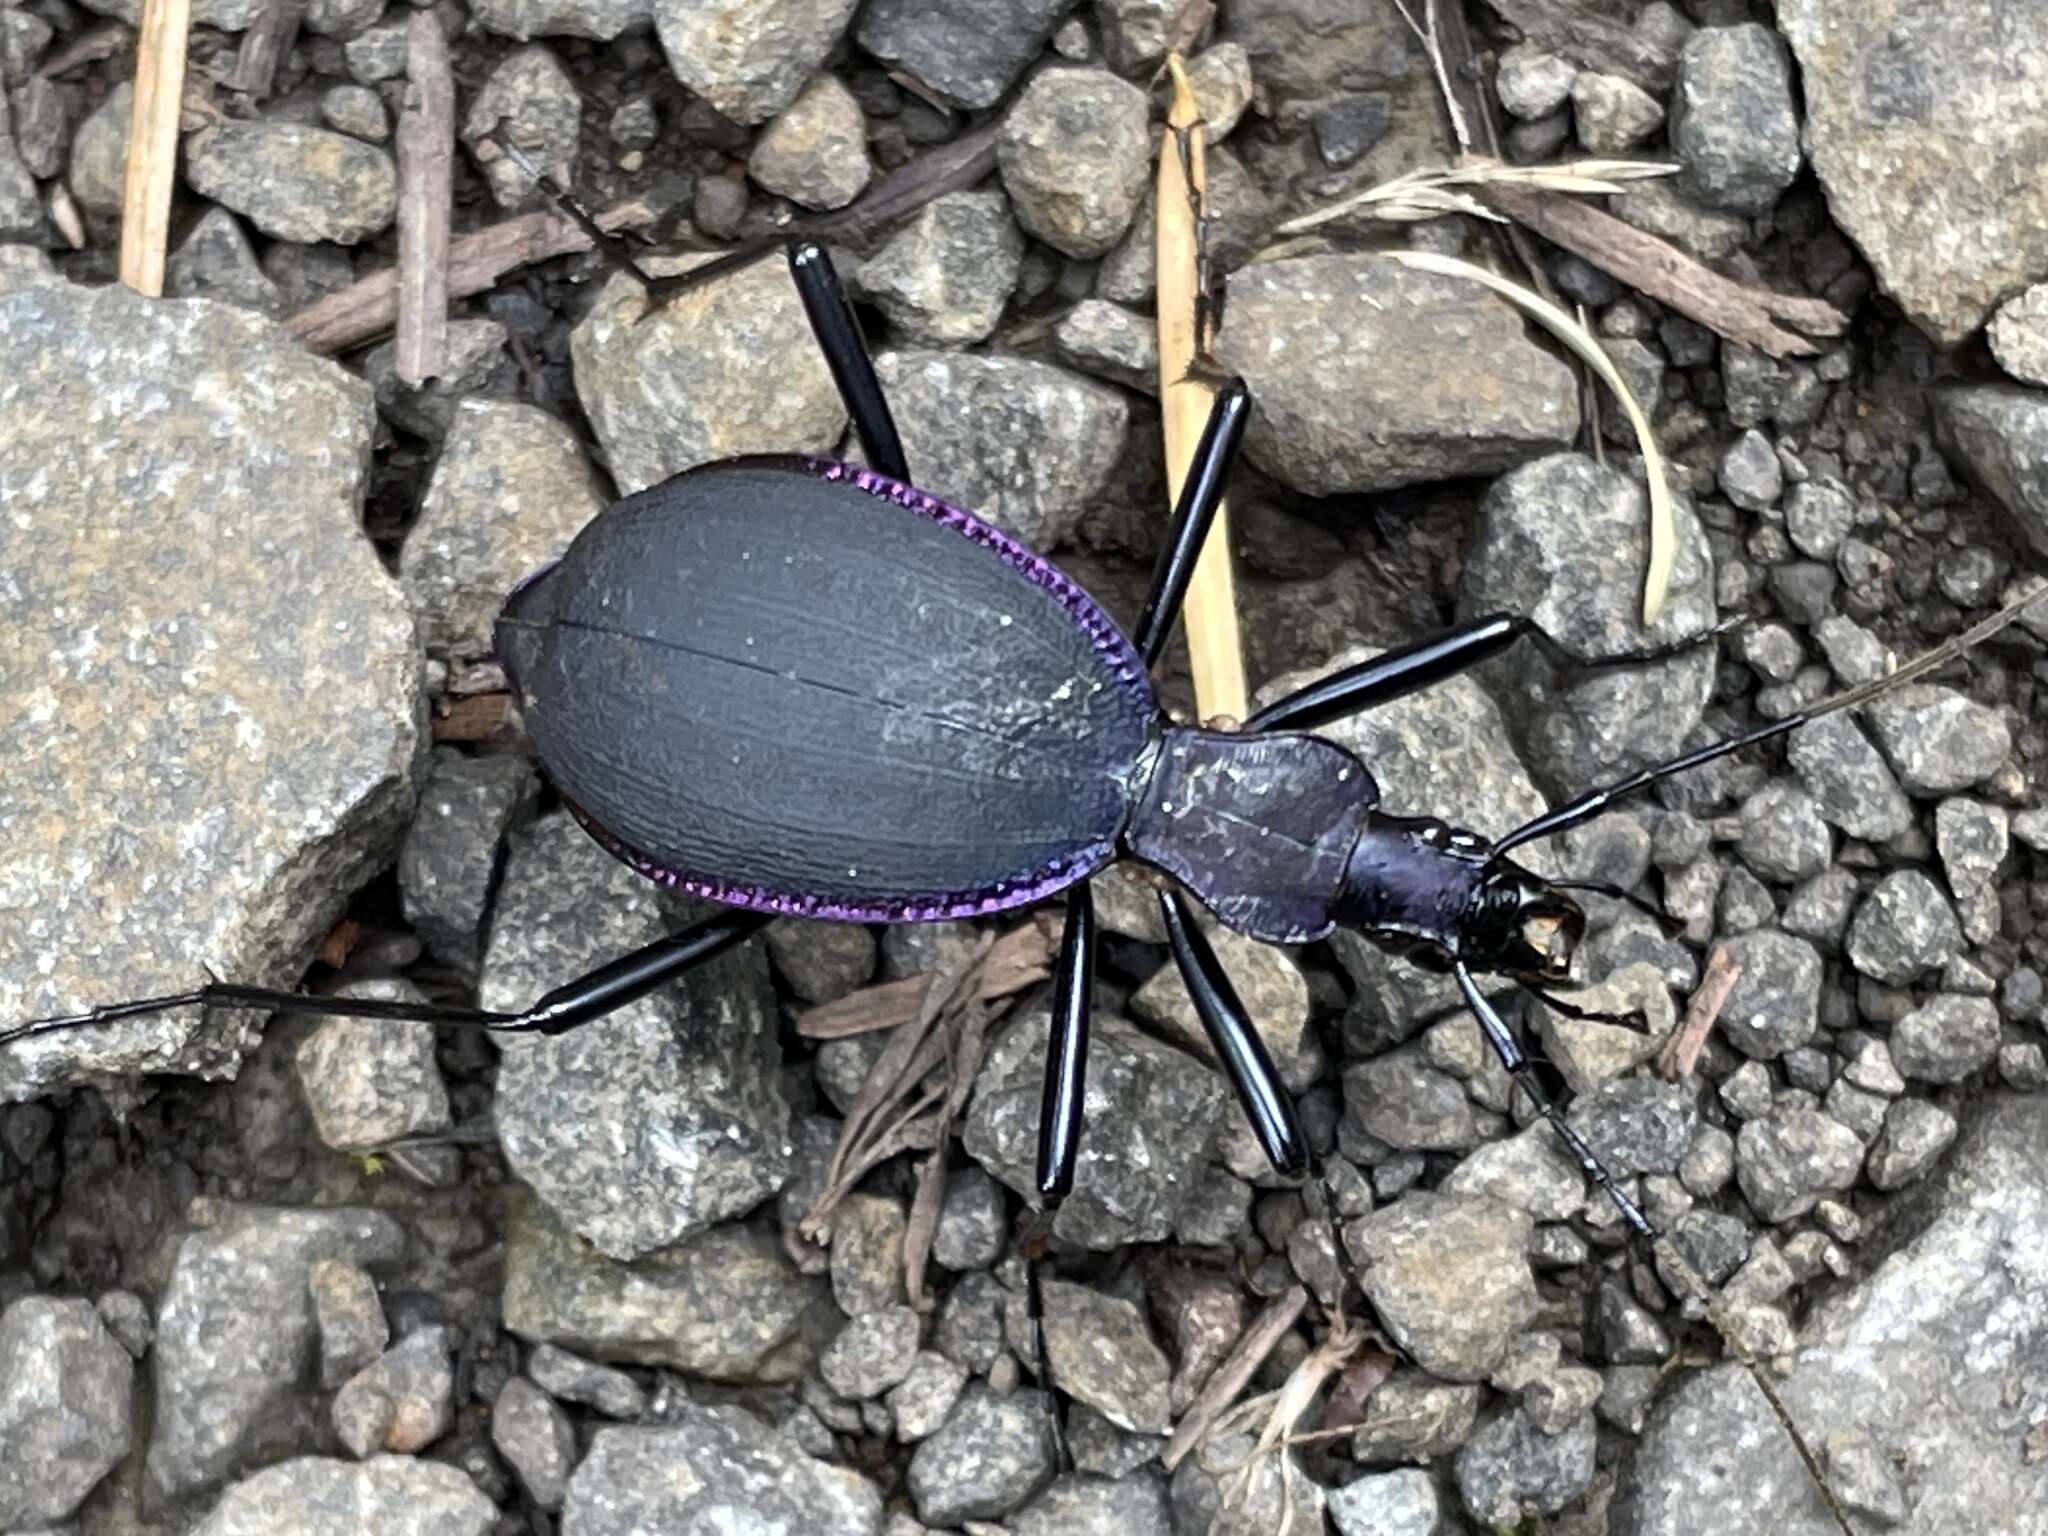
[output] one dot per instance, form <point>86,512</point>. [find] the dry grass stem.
<point>426,184</point>
<point>1432,192</point>
<point>1215,653</point>
<point>153,143</point>
<point>1663,529</point>
<point>1231,1377</point>
<point>1018,959</point>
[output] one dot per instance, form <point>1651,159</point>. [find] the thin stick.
<point>426,182</point>
<point>153,143</point>
<point>1210,609</point>
<point>1655,267</point>
<point>367,309</point>
<point>1681,1053</point>
<point>1230,1378</point>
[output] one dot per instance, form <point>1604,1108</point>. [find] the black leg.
<point>1066,1052</point>
<point>846,354</point>
<point>1633,1019</point>
<point>1523,1071</point>
<point>1200,495</point>
<point>1392,675</point>
<point>1235,1039</point>
<point>590,996</point>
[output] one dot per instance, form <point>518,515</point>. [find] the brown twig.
<point>426,184</point>
<point>1681,1053</point>
<point>153,143</point>
<point>367,309</point>
<point>265,46</point>
<point>1018,959</point>
<point>100,43</point>
<point>1655,267</point>
<point>1235,1373</point>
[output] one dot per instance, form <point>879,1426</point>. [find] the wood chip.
<point>153,143</point>
<point>366,309</point>
<point>426,185</point>
<point>1681,1053</point>
<point>1235,1373</point>
<point>265,46</point>
<point>1653,266</point>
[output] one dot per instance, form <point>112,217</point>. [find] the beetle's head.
<point>1521,925</point>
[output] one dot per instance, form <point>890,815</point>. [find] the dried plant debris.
<point>776,1225</point>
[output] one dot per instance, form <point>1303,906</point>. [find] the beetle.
<point>796,685</point>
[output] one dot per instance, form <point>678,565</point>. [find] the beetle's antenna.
<point>1596,801</point>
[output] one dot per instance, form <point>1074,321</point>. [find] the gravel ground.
<point>301,1276</point>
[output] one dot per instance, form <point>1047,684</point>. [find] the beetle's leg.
<point>1633,1019</point>
<point>1235,1039</point>
<point>846,354</point>
<point>1523,1071</point>
<point>1059,1119</point>
<point>1392,675</point>
<point>1201,493</point>
<point>590,996</point>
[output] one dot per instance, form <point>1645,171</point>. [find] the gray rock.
<point>295,182</point>
<point>378,54</point>
<point>1629,1335</point>
<point>474,350</point>
<point>1102,1354</point>
<point>1997,434</point>
<point>969,1329</point>
<point>562,1375</point>
<point>524,20</point>
<point>99,163</point>
<point>1919,1359</point>
<point>1528,1172</point>
<point>1133,1505</point>
<point>1223,1490</point>
<point>1025,445</point>
<point>1510,1470</point>
<point>317,1496</point>
<point>21,204</point>
<point>1915,1134</point>
<point>236,1334</point>
<point>2019,335</point>
<point>448,865</point>
<point>1415,1417</point>
<point>1938,739</point>
<point>1787,1159</point>
<point>1774,1006</point>
<point>1385,1504</point>
<point>662,1117</point>
<point>1110,342</point>
<point>1732,120</point>
<point>1347,127</point>
<point>1151,1114</point>
<point>536,1438</point>
<point>748,58</point>
<point>968,51</point>
<point>1902,928</point>
<point>1947,1039</point>
<point>713,1469</point>
<point>1902,115</point>
<point>1562,540</point>
<point>1406,1103</point>
<point>1637,1125</point>
<point>821,961</point>
<point>944,278</point>
<point>867,1253</point>
<point>1220,77</point>
<point>1783,836</point>
<point>1972,839</point>
<point>216,261</point>
<point>727,1304</point>
<point>370,1082</point>
<point>872,1353</point>
<point>66,1399</point>
<point>1304,51</point>
<point>1533,83</point>
<point>1075,155</point>
<point>1358,390</point>
<point>531,99</point>
<point>357,110</point>
<point>1588,1053</point>
<point>1714,1243</point>
<point>1449,1277</point>
<point>1611,114</point>
<point>401,1403</point>
<point>725,369</point>
<point>1662,209</point>
<point>920,1402</point>
<point>1818,516</point>
<point>509,492</point>
<point>350,1318</point>
<point>991,1456</point>
<point>1851,784</point>
<point>974,1221</point>
<point>1750,475</point>
<point>161,726</point>
<point>815,153</point>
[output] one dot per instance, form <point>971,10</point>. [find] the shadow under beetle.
<point>799,686</point>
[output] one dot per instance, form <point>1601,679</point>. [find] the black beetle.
<point>800,686</point>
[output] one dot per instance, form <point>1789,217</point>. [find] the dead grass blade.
<point>1432,192</point>
<point>1681,1053</point>
<point>1234,1374</point>
<point>1663,529</point>
<point>1017,959</point>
